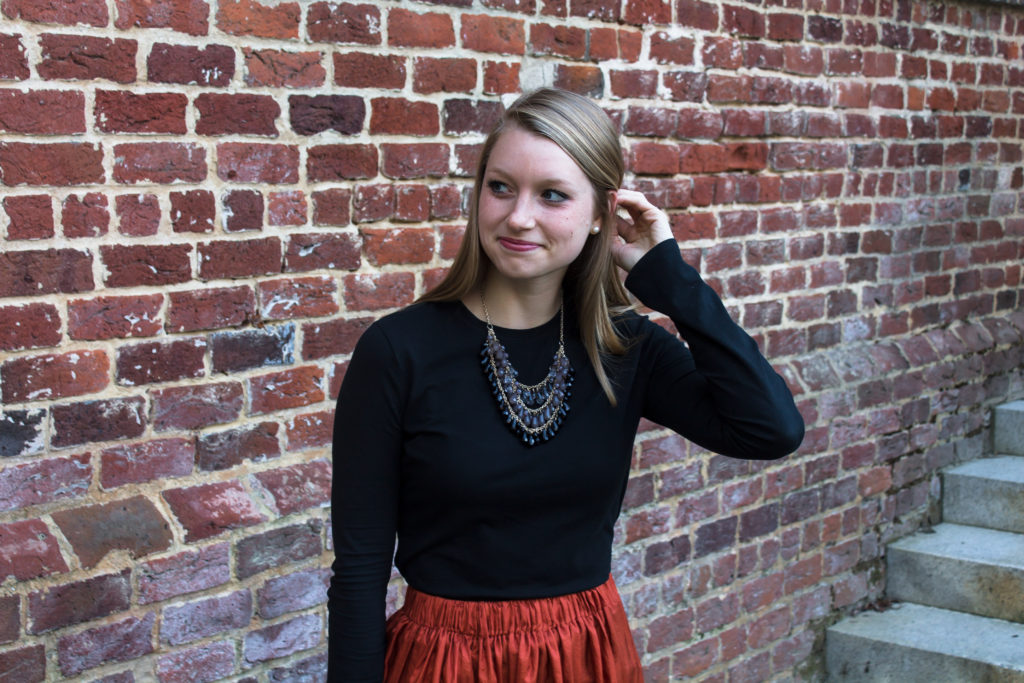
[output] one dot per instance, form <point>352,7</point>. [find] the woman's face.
<point>536,208</point>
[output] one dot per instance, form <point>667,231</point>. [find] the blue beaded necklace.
<point>533,412</point>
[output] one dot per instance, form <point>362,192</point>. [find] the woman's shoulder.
<point>417,320</point>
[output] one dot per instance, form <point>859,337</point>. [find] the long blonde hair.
<point>584,132</point>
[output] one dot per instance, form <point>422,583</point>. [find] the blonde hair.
<point>584,132</point>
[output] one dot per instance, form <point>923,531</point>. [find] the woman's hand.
<point>646,226</point>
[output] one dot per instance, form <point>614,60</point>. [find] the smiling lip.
<point>517,245</point>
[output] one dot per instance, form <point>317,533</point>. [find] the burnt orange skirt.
<point>577,638</point>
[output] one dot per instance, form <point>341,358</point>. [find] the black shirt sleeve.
<point>720,393</point>
<point>364,508</point>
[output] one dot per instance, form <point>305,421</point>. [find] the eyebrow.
<point>562,182</point>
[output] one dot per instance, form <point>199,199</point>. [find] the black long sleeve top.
<point>421,450</point>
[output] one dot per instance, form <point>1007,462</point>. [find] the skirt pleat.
<point>579,638</point>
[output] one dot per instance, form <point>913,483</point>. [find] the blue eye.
<point>554,196</point>
<point>497,187</point>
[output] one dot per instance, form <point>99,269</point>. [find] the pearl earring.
<point>596,229</point>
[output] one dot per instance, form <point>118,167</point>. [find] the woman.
<point>491,424</point>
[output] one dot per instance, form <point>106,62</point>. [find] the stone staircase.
<point>958,589</point>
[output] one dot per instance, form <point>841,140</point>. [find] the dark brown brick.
<point>224,450</point>
<point>213,65</point>
<point>104,420</point>
<point>80,601</point>
<point>245,349</point>
<point>278,547</point>
<point>133,524</point>
<point>310,115</point>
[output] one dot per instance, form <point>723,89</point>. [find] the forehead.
<point>520,152</point>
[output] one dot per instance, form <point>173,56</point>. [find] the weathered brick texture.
<point>206,202</point>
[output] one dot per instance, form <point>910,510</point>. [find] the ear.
<point>609,205</point>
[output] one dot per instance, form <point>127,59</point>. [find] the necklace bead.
<point>533,412</point>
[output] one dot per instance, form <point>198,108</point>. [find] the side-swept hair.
<point>584,132</point>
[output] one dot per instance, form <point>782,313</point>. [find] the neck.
<point>519,306</point>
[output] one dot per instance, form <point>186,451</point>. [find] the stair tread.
<point>969,544</point>
<point>1008,468</point>
<point>931,629</point>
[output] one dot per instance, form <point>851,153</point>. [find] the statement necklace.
<point>533,412</point>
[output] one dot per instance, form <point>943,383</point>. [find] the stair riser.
<point>984,503</point>
<point>1008,429</point>
<point>985,590</point>
<point>859,660</point>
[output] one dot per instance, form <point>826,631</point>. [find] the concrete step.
<point>987,492</point>
<point>962,568</point>
<point>918,644</point>
<point>1008,429</point>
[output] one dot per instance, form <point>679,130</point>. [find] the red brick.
<point>31,217</point>
<point>201,664</point>
<point>286,389</point>
<point>308,297</point>
<point>187,572</point>
<point>501,78</point>
<point>686,86</point>
<point>29,551</point>
<point>501,35</point>
<point>310,115</point>
<point>243,210</point>
<point>360,70</point>
<point>341,162</point>
<point>378,291</point>
<point>161,362</point>
<point>445,202</point>
<point>185,16</point>
<point>139,214</point>
<point>32,378</point>
<point>193,211</point>
<point>564,41</point>
<point>66,12</point>
<point>194,407</point>
<point>374,203</point>
<point>672,50</point>
<point>133,524</point>
<point>312,430</point>
<point>286,208</point>
<point>159,162</point>
<point>72,57</point>
<point>13,60</point>
<point>80,601</point>
<point>654,158</point>
<point>236,113</point>
<point>398,245</point>
<point>580,79</point>
<point>131,266</point>
<point>102,420</point>
<point>469,116</point>
<point>334,337</point>
<point>85,216</point>
<point>224,450</point>
<point>252,18</point>
<point>29,326</point>
<point>27,273</point>
<point>44,481</point>
<point>10,621</point>
<point>402,117</point>
<point>666,631</point>
<point>402,162</point>
<point>319,251</point>
<point>412,203</point>
<point>281,640</point>
<point>603,10</point>
<point>280,69</point>
<point>298,487</point>
<point>213,65</point>
<point>331,207</point>
<point>634,83</point>
<point>211,509</point>
<point>343,22</point>
<point>278,547</point>
<point>239,258</point>
<point>146,461</point>
<point>120,641</point>
<point>432,75</point>
<point>208,309</point>
<point>232,351</point>
<point>21,432</point>
<point>119,111</point>
<point>257,163</point>
<point>59,163</point>
<point>42,112</point>
<point>293,592</point>
<point>430,30</point>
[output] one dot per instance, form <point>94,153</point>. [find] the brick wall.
<point>204,204</point>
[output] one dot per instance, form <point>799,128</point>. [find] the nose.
<point>522,217</point>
